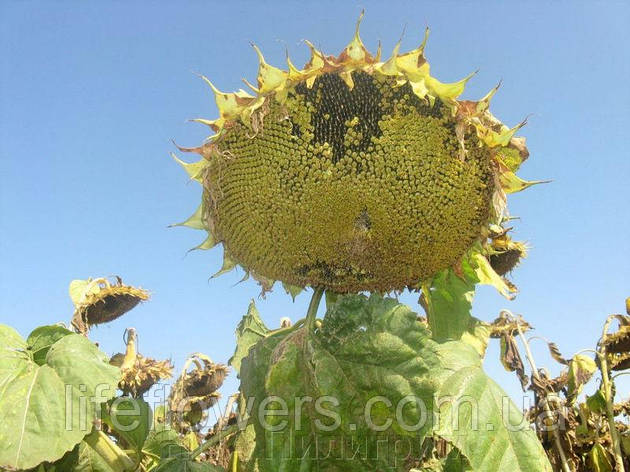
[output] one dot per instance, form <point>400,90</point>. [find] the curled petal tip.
<point>427,30</point>
<point>290,65</point>
<point>314,50</point>
<point>248,83</point>
<point>358,27</point>
<point>207,80</point>
<point>402,33</point>
<point>261,58</point>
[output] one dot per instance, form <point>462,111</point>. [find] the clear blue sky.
<point>91,93</point>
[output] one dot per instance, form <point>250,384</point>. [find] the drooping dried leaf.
<point>543,384</point>
<point>511,359</point>
<point>622,408</point>
<point>581,369</point>
<point>505,325</point>
<point>556,354</point>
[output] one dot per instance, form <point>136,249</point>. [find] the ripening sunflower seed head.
<point>354,173</point>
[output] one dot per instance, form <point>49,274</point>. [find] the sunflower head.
<point>195,391</point>
<point>139,373</point>
<point>504,253</point>
<point>98,301</point>
<point>353,173</point>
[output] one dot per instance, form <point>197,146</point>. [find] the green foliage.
<point>371,386</point>
<point>50,387</point>
<point>581,369</point>
<point>42,338</point>
<point>449,303</point>
<point>130,419</point>
<point>492,433</point>
<point>249,331</point>
<point>599,460</point>
<point>379,374</point>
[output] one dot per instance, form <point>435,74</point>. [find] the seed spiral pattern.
<point>350,189</point>
<point>356,173</point>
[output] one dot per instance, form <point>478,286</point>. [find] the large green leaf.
<point>130,418</point>
<point>42,338</point>
<point>249,331</point>
<point>13,357</point>
<point>375,364</point>
<point>88,460</point>
<point>47,409</point>
<point>478,417</point>
<point>368,352</point>
<point>449,301</point>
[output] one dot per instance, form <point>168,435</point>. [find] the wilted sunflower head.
<point>352,174</point>
<point>98,301</point>
<point>138,373</point>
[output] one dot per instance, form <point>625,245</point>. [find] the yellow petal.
<point>295,74</point>
<point>317,60</point>
<point>419,88</point>
<point>484,103</point>
<point>347,78</point>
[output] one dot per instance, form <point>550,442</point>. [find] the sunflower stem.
<point>218,437</point>
<point>607,384</point>
<point>311,314</point>
<point>545,403</point>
